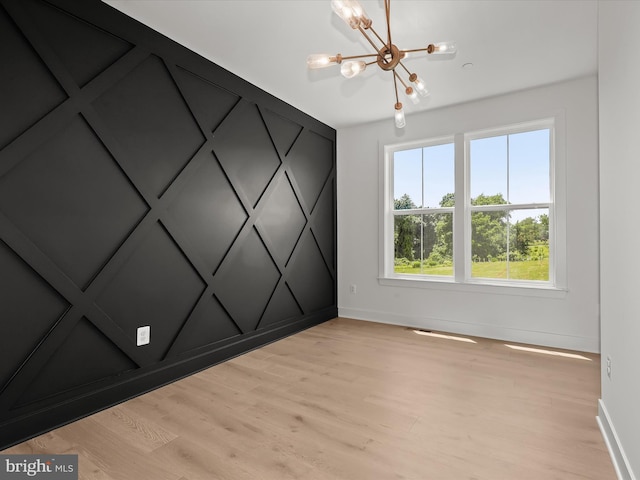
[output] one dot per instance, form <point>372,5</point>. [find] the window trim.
<point>461,279</point>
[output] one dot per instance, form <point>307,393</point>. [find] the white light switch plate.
<point>144,336</point>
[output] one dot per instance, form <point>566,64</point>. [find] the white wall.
<point>569,320</point>
<point>619,91</point>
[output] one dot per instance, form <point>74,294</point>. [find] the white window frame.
<point>415,211</point>
<point>461,279</point>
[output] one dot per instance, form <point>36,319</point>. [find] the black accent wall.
<point>140,184</point>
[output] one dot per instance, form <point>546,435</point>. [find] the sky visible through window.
<point>515,165</point>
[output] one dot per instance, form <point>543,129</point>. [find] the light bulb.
<point>421,87</point>
<point>351,69</point>
<point>345,11</point>
<point>359,13</point>
<point>399,116</point>
<point>320,60</point>
<point>442,48</point>
<point>413,95</point>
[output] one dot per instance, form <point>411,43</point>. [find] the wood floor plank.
<point>117,456</point>
<point>356,400</point>
<point>141,431</point>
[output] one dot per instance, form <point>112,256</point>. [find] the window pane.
<point>529,167</point>
<point>510,245</point>
<point>439,176</point>
<point>529,245</point>
<point>488,165</point>
<point>423,244</point>
<point>489,244</point>
<point>407,179</point>
<point>514,166</point>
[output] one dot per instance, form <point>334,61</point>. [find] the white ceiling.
<point>513,45</point>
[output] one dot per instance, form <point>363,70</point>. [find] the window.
<point>474,208</point>
<point>423,212</point>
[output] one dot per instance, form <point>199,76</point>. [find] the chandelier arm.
<point>400,78</point>
<point>368,38</point>
<point>426,49</point>
<point>387,7</point>
<point>351,57</point>
<point>379,37</point>
<point>395,85</point>
<point>405,68</point>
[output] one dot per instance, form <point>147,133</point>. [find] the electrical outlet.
<point>353,288</point>
<point>609,366</point>
<point>143,336</point>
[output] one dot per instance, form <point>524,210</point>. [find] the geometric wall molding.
<point>86,345</point>
<point>71,166</point>
<point>33,307</point>
<point>192,213</point>
<point>282,219</point>
<point>140,184</point>
<point>236,140</point>
<point>84,50</point>
<point>149,119</point>
<point>33,90</point>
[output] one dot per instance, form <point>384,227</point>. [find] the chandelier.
<point>388,56</point>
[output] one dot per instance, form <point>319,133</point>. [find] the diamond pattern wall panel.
<point>86,356</point>
<point>84,49</point>
<point>284,132</point>
<point>282,306</point>
<point>30,307</point>
<point>310,280</point>
<point>29,89</point>
<point>140,184</point>
<point>210,103</point>
<point>149,118</point>
<point>208,325</point>
<point>245,150</point>
<point>247,281</point>
<point>73,201</point>
<point>282,220</point>
<point>157,287</point>
<point>324,221</point>
<point>209,213</point>
<point>311,162</point>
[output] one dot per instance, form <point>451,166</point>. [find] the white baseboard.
<point>546,339</point>
<point>618,457</point>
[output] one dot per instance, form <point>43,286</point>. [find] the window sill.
<point>443,283</point>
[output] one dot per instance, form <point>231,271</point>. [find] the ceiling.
<point>513,45</point>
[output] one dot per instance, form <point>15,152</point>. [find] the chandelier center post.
<point>388,57</point>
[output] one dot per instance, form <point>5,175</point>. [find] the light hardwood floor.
<point>355,400</point>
